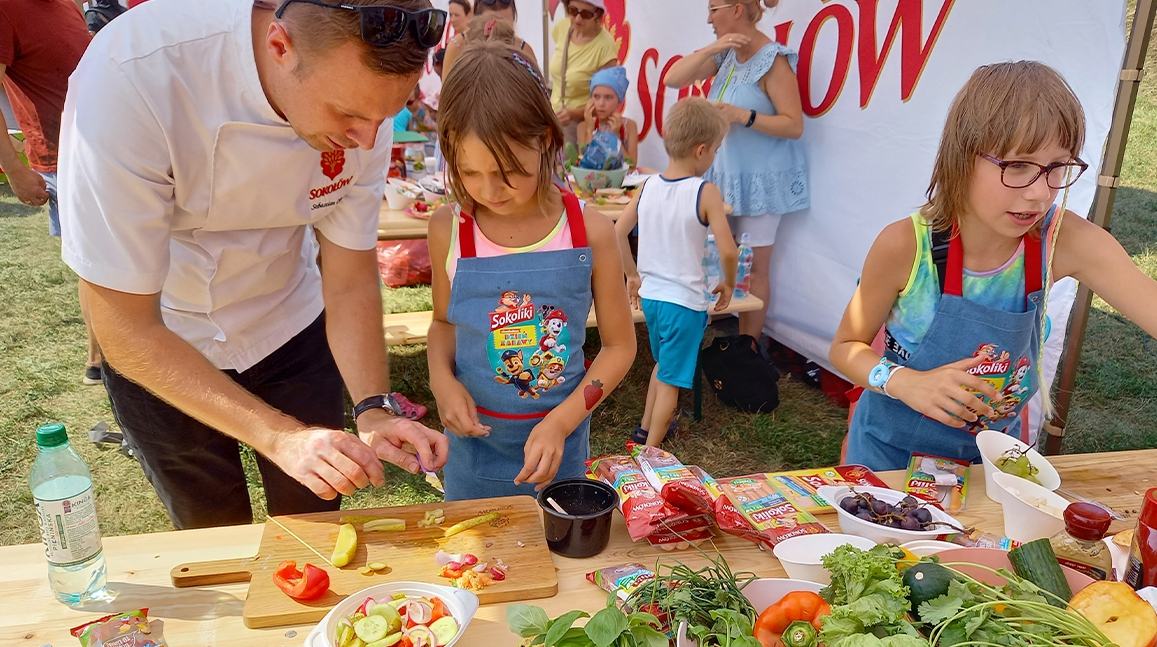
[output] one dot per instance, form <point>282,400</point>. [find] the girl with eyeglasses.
<point>960,287</point>
<point>582,47</point>
<point>501,10</point>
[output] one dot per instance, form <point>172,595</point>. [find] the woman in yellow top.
<point>582,47</point>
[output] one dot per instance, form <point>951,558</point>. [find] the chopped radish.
<point>469,560</point>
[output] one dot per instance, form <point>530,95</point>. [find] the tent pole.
<point>1102,212</point>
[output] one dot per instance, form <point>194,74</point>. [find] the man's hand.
<point>28,185</point>
<point>327,461</point>
<point>396,440</point>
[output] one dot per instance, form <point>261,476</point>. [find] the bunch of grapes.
<point>908,514</point>
<point>1015,461</point>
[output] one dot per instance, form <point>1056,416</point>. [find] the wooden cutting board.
<point>409,555</point>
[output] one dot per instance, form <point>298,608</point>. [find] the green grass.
<point>42,345</point>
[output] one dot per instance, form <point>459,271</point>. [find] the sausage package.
<point>642,507</point>
<point>771,516</point>
<point>676,483</point>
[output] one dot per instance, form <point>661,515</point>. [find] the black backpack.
<point>100,13</point>
<point>740,377</point>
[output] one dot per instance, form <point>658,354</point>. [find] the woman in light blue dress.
<point>760,168</point>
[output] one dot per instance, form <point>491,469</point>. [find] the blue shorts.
<point>676,333</point>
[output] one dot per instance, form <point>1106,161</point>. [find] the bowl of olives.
<point>887,516</point>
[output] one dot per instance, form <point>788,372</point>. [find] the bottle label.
<point>1085,569</point>
<point>69,529</point>
<point>1133,573</point>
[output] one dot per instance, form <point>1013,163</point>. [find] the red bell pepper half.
<point>310,583</point>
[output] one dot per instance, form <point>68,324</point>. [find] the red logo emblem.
<point>332,162</point>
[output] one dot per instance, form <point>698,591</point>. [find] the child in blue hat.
<point>604,112</point>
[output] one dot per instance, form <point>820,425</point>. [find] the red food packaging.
<point>677,484</point>
<point>727,516</point>
<point>642,507</point>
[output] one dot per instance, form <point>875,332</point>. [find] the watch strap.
<point>380,401</point>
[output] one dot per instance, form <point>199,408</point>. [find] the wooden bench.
<point>412,327</point>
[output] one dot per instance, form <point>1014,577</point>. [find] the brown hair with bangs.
<point>1004,108</point>
<point>499,96</point>
<point>319,29</point>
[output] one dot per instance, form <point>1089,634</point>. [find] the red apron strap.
<point>575,219</point>
<point>954,282</point>
<point>538,415</point>
<point>466,248</point>
<point>1032,264</point>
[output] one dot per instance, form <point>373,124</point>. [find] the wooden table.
<point>394,224</point>
<point>139,568</point>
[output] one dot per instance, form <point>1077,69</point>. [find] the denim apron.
<point>884,432</point>
<point>520,325</point>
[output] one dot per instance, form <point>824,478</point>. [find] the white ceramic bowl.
<point>460,603</point>
<point>925,547</point>
<point>853,525</point>
<point>993,444</point>
<point>395,198</point>
<point>1022,502</point>
<point>801,556</point>
<point>761,593</point>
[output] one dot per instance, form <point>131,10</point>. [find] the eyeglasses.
<point>711,10</point>
<point>1018,174</point>
<point>587,14</point>
<point>382,25</point>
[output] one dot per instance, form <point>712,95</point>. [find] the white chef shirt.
<point>176,176</point>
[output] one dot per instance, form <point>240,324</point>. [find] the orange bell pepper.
<point>797,605</point>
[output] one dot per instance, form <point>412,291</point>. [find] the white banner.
<point>876,79</point>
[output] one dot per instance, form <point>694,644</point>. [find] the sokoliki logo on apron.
<point>528,344</point>
<point>1012,380</point>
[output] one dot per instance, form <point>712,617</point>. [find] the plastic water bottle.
<point>743,272</point>
<point>62,492</point>
<point>710,268</point>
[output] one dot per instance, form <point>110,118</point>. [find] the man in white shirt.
<point>211,153</point>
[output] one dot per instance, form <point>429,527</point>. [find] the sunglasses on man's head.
<point>382,25</point>
<point>587,14</point>
<point>494,3</point>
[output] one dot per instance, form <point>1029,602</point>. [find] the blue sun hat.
<point>614,78</point>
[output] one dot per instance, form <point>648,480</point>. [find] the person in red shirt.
<point>35,64</point>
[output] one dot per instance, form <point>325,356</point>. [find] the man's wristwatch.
<point>881,374</point>
<point>381,401</point>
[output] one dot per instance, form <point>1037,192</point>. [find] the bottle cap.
<point>1086,521</point>
<point>52,434</point>
<point>1149,508</point>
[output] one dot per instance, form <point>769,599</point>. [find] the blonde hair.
<point>753,9</point>
<point>489,28</point>
<point>691,122</point>
<point>496,94</point>
<point>1003,108</point>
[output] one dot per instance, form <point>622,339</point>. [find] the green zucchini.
<point>925,581</point>
<point>1037,563</point>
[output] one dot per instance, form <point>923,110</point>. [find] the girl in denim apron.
<point>518,264</point>
<point>960,287</point>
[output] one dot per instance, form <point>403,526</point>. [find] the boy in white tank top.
<point>675,211</point>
